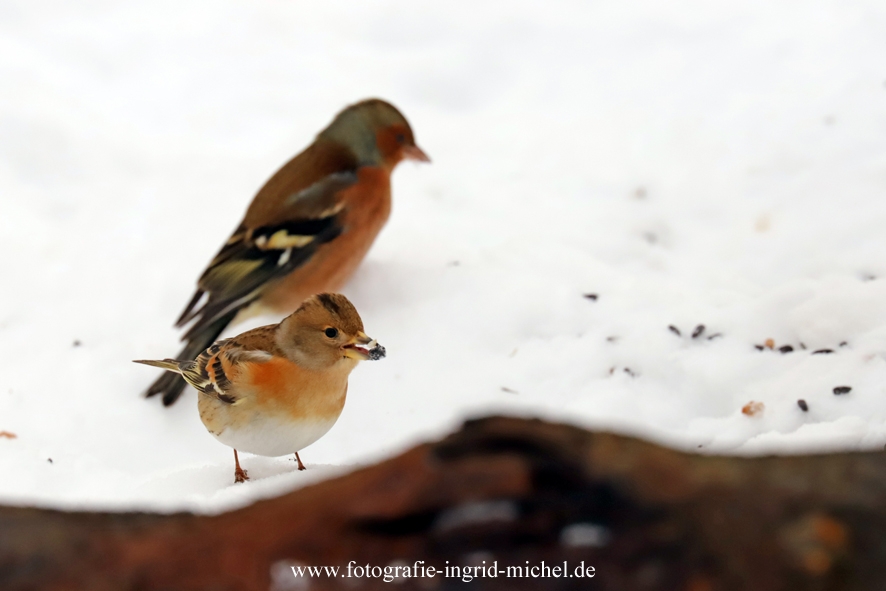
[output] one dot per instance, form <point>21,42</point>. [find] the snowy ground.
<point>688,162</point>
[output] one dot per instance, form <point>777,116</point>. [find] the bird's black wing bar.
<point>253,256</point>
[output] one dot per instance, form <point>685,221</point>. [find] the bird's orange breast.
<point>272,378</point>
<point>281,386</point>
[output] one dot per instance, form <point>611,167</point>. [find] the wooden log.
<point>508,491</point>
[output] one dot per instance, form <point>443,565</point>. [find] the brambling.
<point>306,230</point>
<point>275,390</point>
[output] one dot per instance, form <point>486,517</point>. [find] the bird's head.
<point>324,331</point>
<point>376,133</point>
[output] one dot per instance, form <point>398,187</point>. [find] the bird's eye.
<point>331,332</point>
<point>401,138</point>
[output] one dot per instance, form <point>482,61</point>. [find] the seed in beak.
<point>377,352</point>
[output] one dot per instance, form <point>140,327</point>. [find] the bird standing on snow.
<point>306,230</point>
<point>276,389</point>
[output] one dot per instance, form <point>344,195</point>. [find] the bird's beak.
<point>415,153</point>
<point>363,347</point>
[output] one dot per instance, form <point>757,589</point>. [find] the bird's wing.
<point>207,373</point>
<point>217,368</point>
<point>288,220</point>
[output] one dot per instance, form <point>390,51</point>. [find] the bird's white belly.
<point>266,436</point>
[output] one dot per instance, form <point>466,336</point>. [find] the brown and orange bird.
<point>306,230</point>
<point>276,389</point>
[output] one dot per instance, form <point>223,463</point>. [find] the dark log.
<point>501,490</point>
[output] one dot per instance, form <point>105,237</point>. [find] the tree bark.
<point>508,491</point>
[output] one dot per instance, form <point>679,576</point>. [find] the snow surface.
<point>688,162</point>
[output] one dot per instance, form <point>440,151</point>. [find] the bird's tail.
<point>167,364</point>
<point>171,384</point>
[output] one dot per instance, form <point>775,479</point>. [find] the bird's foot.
<point>300,465</point>
<point>239,473</point>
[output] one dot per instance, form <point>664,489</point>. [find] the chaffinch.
<point>276,389</point>
<point>306,230</point>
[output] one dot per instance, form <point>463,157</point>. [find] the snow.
<point>690,163</point>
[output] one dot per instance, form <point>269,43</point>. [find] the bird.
<point>305,232</point>
<point>276,389</point>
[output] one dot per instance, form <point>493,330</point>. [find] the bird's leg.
<point>300,465</point>
<point>239,473</point>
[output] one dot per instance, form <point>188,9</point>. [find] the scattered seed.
<point>763,223</point>
<point>508,390</point>
<point>868,277</point>
<point>716,335</point>
<point>591,296</point>
<point>612,339</point>
<point>759,347</point>
<point>640,193</point>
<point>844,344</point>
<point>822,351</point>
<point>630,372</point>
<point>49,460</point>
<point>77,343</point>
<point>698,330</point>
<point>612,370</point>
<point>786,349</point>
<point>840,390</point>
<point>753,408</point>
<point>674,330</point>
<point>769,344</point>
<point>803,346</point>
<point>8,434</point>
<point>803,406</point>
<point>454,263</point>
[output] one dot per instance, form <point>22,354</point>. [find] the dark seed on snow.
<point>591,296</point>
<point>716,335</point>
<point>843,343</point>
<point>698,330</point>
<point>674,330</point>
<point>759,347</point>
<point>822,351</point>
<point>786,349</point>
<point>842,390</point>
<point>803,406</point>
